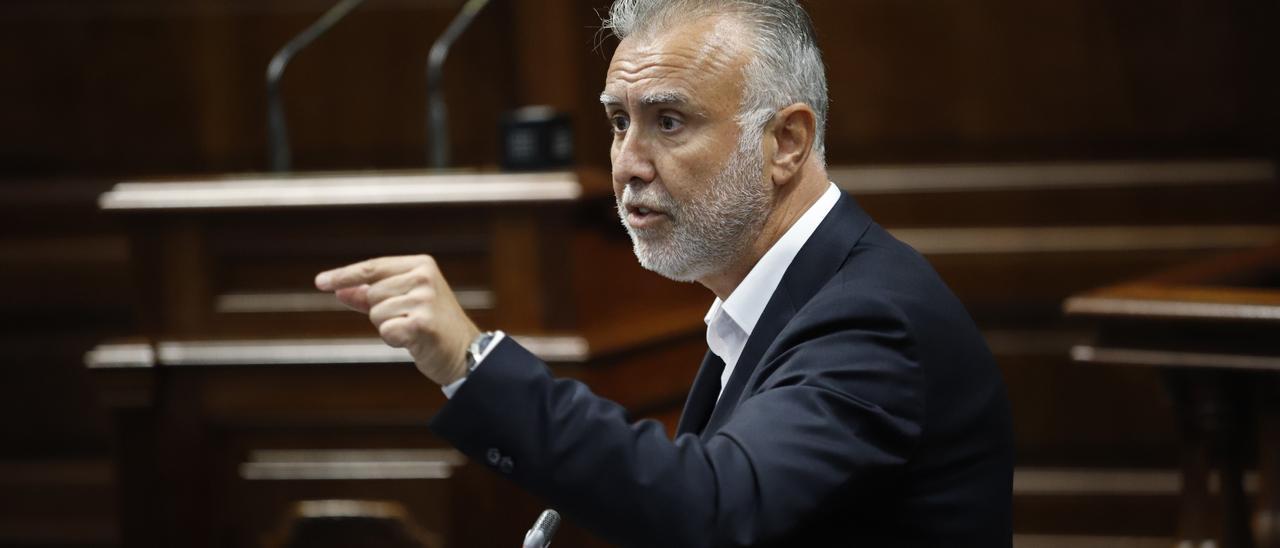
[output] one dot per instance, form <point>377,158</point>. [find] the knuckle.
<point>388,332</point>
<point>424,322</point>
<point>423,294</point>
<point>420,276</point>
<point>397,333</point>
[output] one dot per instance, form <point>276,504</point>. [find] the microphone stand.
<point>277,129</point>
<point>437,121</point>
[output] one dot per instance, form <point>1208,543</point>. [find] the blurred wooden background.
<point>1030,148</point>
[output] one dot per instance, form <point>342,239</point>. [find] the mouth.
<point>644,217</point>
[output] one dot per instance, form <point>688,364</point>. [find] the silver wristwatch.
<point>477,347</point>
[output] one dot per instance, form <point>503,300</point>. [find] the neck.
<point>792,200</point>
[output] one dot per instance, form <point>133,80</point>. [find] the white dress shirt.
<point>730,322</point>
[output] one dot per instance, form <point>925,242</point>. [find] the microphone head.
<point>548,522</point>
<point>540,534</point>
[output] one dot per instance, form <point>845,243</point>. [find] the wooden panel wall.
<point>159,86</point>
<point>155,86</point>
<point>64,271</point>
<point>1016,79</point>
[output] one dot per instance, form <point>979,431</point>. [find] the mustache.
<point>649,197</point>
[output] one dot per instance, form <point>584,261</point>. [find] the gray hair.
<point>786,68</point>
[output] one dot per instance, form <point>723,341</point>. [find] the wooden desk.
<point>1213,329</point>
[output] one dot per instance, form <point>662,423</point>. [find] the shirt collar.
<point>745,305</point>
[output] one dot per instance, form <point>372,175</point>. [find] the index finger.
<point>368,272</point>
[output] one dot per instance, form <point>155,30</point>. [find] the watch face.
<point>477,348</point>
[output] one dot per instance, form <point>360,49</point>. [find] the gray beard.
<point>708,233</point>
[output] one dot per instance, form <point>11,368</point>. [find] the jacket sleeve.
<point>838,407</point>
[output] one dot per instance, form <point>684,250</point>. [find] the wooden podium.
<point>1213,329</point>
<point>249,397</point>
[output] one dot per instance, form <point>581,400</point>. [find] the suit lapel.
<point>815,264</point>
<point>702,396</point>
<point>776,315</point>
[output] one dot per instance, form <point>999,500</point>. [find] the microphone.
<point>277,129</point>
<point>539,536</point>
<point>437,115</point>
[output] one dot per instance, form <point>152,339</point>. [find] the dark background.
<point>94,92</point>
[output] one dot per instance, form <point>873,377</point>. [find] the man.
<point>847,399</point>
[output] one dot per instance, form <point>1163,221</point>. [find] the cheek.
<point>615,150</point>
<point>678,184</point>
<point>685,176</point>
<point>613,173</point>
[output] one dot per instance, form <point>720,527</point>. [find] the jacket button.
<point>493,456</point>
<point>507,465</point>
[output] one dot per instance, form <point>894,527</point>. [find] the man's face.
<point>690,194</point>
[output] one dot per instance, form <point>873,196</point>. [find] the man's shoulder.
<point>885,284</point>
<point>881,268</point>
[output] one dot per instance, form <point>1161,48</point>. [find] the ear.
<point>792,131</point>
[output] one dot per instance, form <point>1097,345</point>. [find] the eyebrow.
<point>663,98</point>
<point>649,99</point>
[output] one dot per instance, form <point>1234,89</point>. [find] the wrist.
<point>455,373</point>
<point>475,349</point>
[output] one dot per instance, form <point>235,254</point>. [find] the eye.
<point>669,124</point>
<point>619,123</point>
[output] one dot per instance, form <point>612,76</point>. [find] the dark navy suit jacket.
<point>865,410</point>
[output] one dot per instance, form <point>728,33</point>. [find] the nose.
<point>632,162</point>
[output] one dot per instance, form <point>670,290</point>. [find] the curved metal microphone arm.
<point>437,117</point>
<point>277,130</point>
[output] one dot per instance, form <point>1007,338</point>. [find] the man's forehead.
<point>674,65</point>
